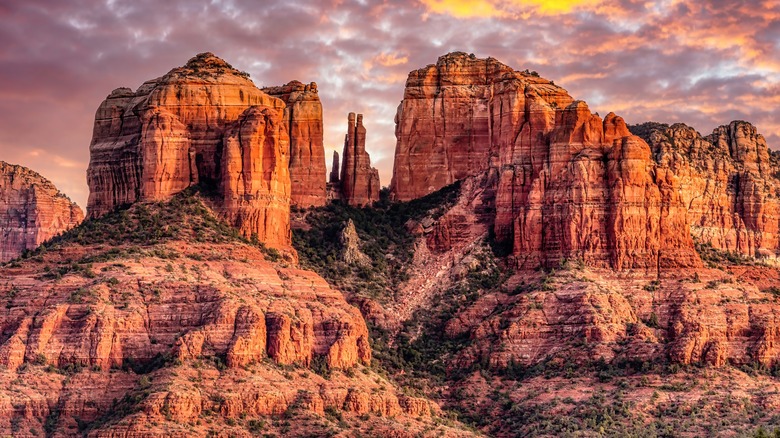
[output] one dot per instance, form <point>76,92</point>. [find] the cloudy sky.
<point>704,64</point>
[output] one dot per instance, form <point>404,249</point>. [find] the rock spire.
<point>359,181</point>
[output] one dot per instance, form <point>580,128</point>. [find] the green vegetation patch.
<point>385,240</point>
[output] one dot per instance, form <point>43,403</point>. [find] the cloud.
<point>391,59</point>
<point>702,63</point>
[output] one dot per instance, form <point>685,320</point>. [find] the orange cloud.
<point>505,8</point>
<point>391,59</point>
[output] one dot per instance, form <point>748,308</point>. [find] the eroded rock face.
<point>32,211</point>
<point>441,103</point>
<point>359,182</point>
<point>565,183</point>
<point>185,127</point>
<point>303,118</point>
<point>709,320</point>
<point>255,182</point>
<point>728,183</point>
<point>295,317</point>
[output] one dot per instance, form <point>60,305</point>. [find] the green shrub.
<point>652,321</point>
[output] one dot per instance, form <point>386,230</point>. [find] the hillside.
<point>160,320</point>
<point>554,352</point>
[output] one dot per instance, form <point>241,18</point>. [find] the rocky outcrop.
<point>350,246</point>
<point>565,183</point>
<point>359,182</point>
<point>205,122</point>
<point>713,319</point>
<point>32,211</point>
<point>303,118</point>
<point>728,185</point>
<point>334,170</point>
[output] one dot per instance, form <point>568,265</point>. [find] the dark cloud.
<point>702,63</point>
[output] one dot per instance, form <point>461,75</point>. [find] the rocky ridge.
<point>728,182</point>
<point>32,211</point>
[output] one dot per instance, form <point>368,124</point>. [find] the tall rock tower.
<point>359,181</point>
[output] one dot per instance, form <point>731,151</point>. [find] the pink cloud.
<point>703,64</point>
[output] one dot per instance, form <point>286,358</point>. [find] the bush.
<point>40,359</point>
<point>320,366</point>
<point>652,321</point>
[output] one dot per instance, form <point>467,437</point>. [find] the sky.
<point>703,63</point>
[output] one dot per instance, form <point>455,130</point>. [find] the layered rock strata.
<point>359,182</point>
<point>728,183</point>
<point>714,318</point>
<point>202,123</point>
<point>185,332</point>
<point>567,184</point>
<point>32,211</point>
<point>303,118</point>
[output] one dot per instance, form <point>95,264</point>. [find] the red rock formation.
<point>440,103</point>
<point>567,185</point>
<point>150,144</point>
<point>594,315</point>
<point>728,184</point>
<point>255,180</point>
<point>359,181</point>
<point>32,211</point>
<point>303,117</point>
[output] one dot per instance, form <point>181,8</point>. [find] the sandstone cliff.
<point>32,210</point>
<point>359,182</point>
<point>565,183</point>
<point>622,309</point>
<point>728,182</point>
<point>169,134</point>
<point>303,118</point>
